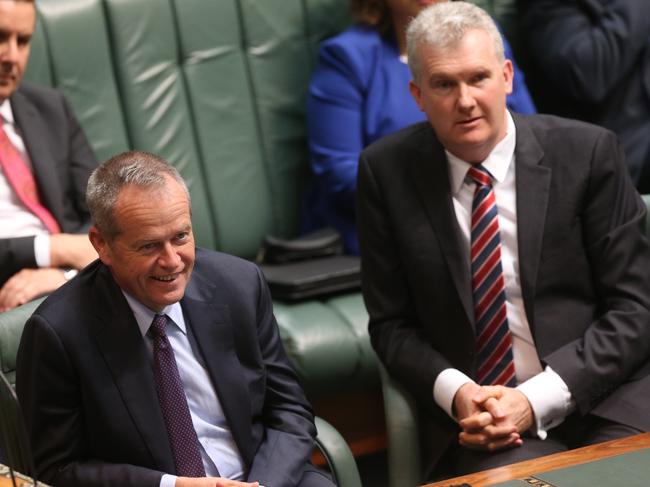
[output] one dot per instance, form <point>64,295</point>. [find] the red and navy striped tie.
<point>494,343</point>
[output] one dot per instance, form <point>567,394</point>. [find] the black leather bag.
<point>309,266</point>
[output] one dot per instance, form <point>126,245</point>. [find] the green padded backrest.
<point>215,87</point>
<point>11,328</point>
<point>147,63</point>
<point>71,51</point>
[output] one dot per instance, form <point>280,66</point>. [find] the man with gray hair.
<point>161,364</point>
<point>504,261</point>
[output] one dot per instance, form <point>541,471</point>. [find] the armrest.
<point>12,323</point>
<point>337,454</point>
<point>404,452</point>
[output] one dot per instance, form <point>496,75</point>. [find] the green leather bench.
<point>218,89</point>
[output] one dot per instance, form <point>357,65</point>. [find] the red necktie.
<point>22,181</point>
<point>494,343</point>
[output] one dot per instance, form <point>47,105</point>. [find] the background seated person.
<point>591,61</point>
<point>359,93</point>
<point>160,364</point>
<point>504,262</point>
<point>45,162</point>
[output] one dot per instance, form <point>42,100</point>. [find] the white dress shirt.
<point>219,451</point>
<point>17,220</point>
<point>547,393</point>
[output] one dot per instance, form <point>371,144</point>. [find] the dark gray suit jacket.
<point>85,380</point>
<point>62,161</point>
<point>583,261</point>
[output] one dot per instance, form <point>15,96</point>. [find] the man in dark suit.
<point>592,62</point>
<point>38,128</point>
<point>504,262</point>
<point>110,398</point>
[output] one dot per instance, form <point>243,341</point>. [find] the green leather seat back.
<point>71,50</point>
<point>12,323</point>
<point>215,87</point>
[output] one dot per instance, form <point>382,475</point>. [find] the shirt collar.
<point>6,112</point>
<point>497,162</point>
<point>144,316</point>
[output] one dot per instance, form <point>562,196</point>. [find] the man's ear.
<point>100,244</point>
<point>416,93</point>
<point>508,75</point>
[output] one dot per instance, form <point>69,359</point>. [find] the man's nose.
<point>466,100</point>
<point>169,257</point>
<point>9,50</point>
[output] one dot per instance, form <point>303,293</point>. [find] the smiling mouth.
<point>165,278</point>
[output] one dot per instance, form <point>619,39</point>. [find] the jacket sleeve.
<point>288,421</point>
<point>15,254</point>
<point>616,343</point>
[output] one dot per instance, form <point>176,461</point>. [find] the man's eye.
<point>480,77</point>
<point>147,247</point>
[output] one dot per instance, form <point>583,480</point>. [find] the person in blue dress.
<point>359,93</point>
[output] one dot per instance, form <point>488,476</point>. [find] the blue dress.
<point>359,93</point>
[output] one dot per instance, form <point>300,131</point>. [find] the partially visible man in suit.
<point>505,266</point>
<point>45,162</point>
<point>592,62</point>
<point>160,364</point>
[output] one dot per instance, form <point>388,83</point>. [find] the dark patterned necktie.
<point>494,343</point>
<point>173,403</point>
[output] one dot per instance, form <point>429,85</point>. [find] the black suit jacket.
<point>592,62</point>
<point>62,161</point>
<point>85,380</point>
<point>583,263</point>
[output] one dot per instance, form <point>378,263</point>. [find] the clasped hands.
<point>491,417</point>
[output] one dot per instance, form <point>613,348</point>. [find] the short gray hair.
<point>443,25</point>
<point>129,168</point>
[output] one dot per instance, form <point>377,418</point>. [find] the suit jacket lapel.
<point>213,331</point>
<point>532,182</point>
<point>35,133</point>
<point>127,357</point>
<point>431,177</point>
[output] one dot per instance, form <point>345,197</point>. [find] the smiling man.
<point>45,162</point>
<point>504,261</point>
<point>160,364</point>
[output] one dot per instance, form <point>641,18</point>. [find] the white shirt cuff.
<point>445,388</point>
<point>42,250</point>
<point>168,480</point>
<point>550,399</point>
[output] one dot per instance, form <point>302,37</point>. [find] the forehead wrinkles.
<point>458,61</point>
<point>151,211</point>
